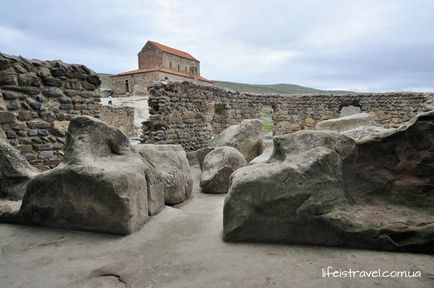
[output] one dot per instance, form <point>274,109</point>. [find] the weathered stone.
<point>201,154</point>
<point>245,137</point>
<point>37,123</point>
<point>46,154</point>
<point>347,122</point>
<point>43,132</point>
<point>48,116</point>
<point>10,134</point>
<point>13,105</point>
<point>10,95</point>
<point>7,117</point>
<point>33,132</point>
<point>372,194</point>
<point>103,174</point>
<point>55,92</point>
<point>15,171</point>
<point>36,105</point>
<point>364,131</point>
<point>218,166</point>
<point>25,115</point>
<point>7,78</point>
<point>59,128</point>
<point>171,161</point>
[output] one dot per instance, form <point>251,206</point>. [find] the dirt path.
<point>182,247</point>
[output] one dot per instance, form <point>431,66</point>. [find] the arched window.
<point>178,67</point>
<point>170,64</point>
<point>127,86</point>
<point>185,68</point>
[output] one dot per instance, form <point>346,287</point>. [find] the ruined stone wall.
<point>121,117</point>
<point>189,114</point>
<point>37,100</point>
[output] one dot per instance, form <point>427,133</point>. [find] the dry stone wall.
<point>189,114</point>
<point>37,100</point>
<point>121,117</point>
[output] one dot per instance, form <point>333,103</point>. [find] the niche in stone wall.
<point>349,108</point>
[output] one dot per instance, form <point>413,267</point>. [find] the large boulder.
<point>218,167</point>
<point>201,154</point>
<point>347,122</point>
<point>246,137</point>
<point>377,193</point>
<point>100,185</point>
<point>171,164</point>
<point>363,132</point>
<point>15,171</point>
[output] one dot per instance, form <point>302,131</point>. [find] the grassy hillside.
<point>248,88</point>
<point>262,88</point>
<point>271,88</point>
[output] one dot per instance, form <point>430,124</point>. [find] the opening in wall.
<point>267,120</point>
<point>127,86</point>
<point>349,110</point>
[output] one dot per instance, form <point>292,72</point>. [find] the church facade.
<point>156,63</point>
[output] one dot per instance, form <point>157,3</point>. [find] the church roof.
<point>173,51</point>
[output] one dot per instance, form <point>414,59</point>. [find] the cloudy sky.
<point>364,45</point>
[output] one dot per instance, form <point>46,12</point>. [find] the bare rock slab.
<point>171,164</point>
<point>15,171</point>
<point>218,166</point>
<point>100,185</point>
<point>324,188</point>
<point>246,137</point>
<point>347,122</point>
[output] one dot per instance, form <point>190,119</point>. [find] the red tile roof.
<point>178,73</point>
<point>173,51</point>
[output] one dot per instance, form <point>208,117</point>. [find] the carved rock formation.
<point>171,165</point>
<point>323,188</point>
<point>246,137</point>
<point>15,171</point>
<point>100,185</point>
<point>218,167</point>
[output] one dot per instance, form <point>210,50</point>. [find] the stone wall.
<point>189,114</point>
<point>145,80</point>
<point>37,100</point>
<point>121,117</point>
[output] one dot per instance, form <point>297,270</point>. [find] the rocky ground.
<point>182,247</point>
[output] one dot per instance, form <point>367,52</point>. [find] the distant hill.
<point>247,88</point>
<point>272,88</point>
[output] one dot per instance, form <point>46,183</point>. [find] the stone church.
<point>158,62</point>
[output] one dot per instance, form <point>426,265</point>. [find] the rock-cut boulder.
<point>15,171</point>
<point>246,137</point>
<point>324,188</point>
<point>100,185</point>
<point>347,122</point>
<point>357,126</point>
<point>218,166</point>
<point>169,164</point>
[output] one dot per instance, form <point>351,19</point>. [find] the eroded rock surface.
<point>218,166</point>
<point>171,164</point>
<point>15,171</point>
<point>246,137</point>
<point>323,188</point>
<point>347,122</point>
<point>99,186</point>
